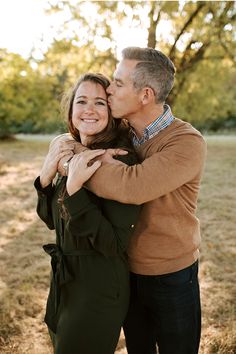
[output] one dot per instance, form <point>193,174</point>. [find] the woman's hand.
<point>81,168</point>
<point>57,151</point>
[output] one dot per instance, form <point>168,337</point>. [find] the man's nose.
<point>109,89</point>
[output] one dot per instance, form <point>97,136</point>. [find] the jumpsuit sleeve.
<point>86,219</point>
<point>44,203</point>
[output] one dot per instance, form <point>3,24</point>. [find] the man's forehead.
<point>128,64</point>
<point>124,69</point>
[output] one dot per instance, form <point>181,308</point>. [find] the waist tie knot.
<point>60,276</point>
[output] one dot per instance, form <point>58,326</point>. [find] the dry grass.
<point>217,207</point>
<point>24,268</point>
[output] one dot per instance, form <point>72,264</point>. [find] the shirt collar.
<point>160,123</point>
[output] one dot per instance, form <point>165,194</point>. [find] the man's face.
<point>123,100</point>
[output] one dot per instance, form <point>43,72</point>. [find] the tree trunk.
<point>153,25</point>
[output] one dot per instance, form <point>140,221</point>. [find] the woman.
<point>89,290</point>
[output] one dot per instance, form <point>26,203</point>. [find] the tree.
<point>31,90</point>
<point>27,100</point>
<point>198,36</point>
<point>14,72</point>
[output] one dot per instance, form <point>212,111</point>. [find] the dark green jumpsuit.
<point>89,290</point>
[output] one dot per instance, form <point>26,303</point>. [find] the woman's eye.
<point>81,102</point>
<point>101,103</point>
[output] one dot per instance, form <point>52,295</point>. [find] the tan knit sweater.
<point>167,235</point>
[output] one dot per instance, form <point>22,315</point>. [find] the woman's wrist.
<point>44,181</point>
<point>72,188</point>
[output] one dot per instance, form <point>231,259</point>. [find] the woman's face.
<point>90,110</point>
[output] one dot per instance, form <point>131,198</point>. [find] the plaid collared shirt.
<point>155,127</point>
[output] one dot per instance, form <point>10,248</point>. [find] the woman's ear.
<point>148,95</point>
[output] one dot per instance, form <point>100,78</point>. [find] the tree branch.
<point>226,49</point>
<point>201,4</point>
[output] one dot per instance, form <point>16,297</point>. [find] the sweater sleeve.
<point>87,219</point>
<point>180,161</point>
<point>44,203</point>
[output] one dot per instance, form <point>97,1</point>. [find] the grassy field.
<point>24,267</point>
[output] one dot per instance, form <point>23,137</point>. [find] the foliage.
<point>27,100</point>
<point>209,97</point>
<point>199,36</point>
<point>12,85</point>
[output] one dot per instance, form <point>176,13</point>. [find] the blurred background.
<point>44,47</point>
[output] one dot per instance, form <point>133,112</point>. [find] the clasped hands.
<point>83,162</point>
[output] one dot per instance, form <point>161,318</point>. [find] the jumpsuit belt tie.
<point>60,272</point>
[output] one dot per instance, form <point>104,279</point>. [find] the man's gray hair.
<point>154,70</point>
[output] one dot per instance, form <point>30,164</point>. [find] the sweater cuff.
<point>77,202</point>
<point>43,191</point>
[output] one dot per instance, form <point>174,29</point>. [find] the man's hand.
<point>108,157</point>
<point>78,148</point>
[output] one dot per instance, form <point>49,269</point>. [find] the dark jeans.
<point>164,311</point>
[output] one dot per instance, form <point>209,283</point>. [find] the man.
<point>163,254</point>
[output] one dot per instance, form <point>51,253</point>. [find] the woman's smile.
<point>87,120</point>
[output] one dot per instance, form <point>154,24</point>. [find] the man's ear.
<point>148,95</point>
